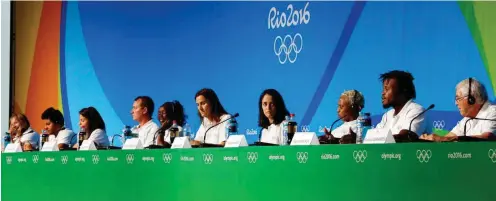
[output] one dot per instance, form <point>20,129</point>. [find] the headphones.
<point>471,99</point>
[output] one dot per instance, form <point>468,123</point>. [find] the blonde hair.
<point>22,118</point>
<point>355,98</point>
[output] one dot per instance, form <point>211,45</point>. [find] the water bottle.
<point>174,131</point>
<point>232,127</point>
<point>187,132</point>
<point>44,137</point>
<point>292,127</point>
<point>6,139</point>
<point>360,123</point>
<point>367,124</point>
<point>285,130</point>
<point>126,134</point>
<point>81,136</point>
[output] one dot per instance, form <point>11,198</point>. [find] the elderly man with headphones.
<point>479,116</point>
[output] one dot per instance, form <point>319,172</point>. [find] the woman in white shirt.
<point>21,132</point>
<point>211,112</point>
<point>350,103</point>
<point>167,114</point>
<point>272,112</point>
<point>92,122</point>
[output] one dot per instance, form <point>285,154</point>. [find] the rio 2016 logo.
<point>293,17</point>
<point>287,47</point>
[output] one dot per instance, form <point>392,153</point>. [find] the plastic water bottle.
<point>360,122</point>
<point>187,132</point>
<point>81,136</point>
<point>174,131</point>
<point>292,127</point>
<point>232,127</point>
<point>126,133</point>
<point>285,130</point>
<point>44,137</point>
<point>6,139</point>
<point>367,124</point>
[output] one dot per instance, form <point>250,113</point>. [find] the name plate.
<point>50,146</point>
<point>13,148</point>
<point>181,143</point>
<point>379,136</point>
<point>305,138</point>
<point>87,145</point>
<point>236,141</point>
<point>133,143</point>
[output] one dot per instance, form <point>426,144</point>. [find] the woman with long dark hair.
<point>211,112</point>
<point>92,122</point>
<point>271,113</point>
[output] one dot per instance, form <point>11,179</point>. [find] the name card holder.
<point>236,141</point>
<point>132,144</point>
<point>379,136</point>
<point>13,148</point>
<point>181,143</point>
<point>50,146</point>
<point>87,145</point>
<point>305,138</point>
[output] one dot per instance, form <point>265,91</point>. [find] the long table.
<point>415,171</point>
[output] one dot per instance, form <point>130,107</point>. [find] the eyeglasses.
<point>457,99</point>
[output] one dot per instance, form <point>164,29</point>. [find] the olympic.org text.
<point>329,157</point>
<point>148,158</point>
<point>459,155</point>
<point>390,156</point>
<point>79,159</point>
<point>230,158</point>
<point>277,157</point>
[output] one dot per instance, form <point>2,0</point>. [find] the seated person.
<point>167,114</point>
<point>21,132</point>
<point>272,112</point>
<point>54,126</point>
<point>211,112</point>
<point>350,104</point>
<point>398,93</point>
<point>142,113</point>
<point>472,102</point>
<point>92,122</point>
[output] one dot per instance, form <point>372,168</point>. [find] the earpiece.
<point>471,99</point>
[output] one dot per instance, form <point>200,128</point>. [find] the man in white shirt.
<point>398,93</point>
<point>142,113</point>
<point>472,102</point>
<point>54,125</point>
